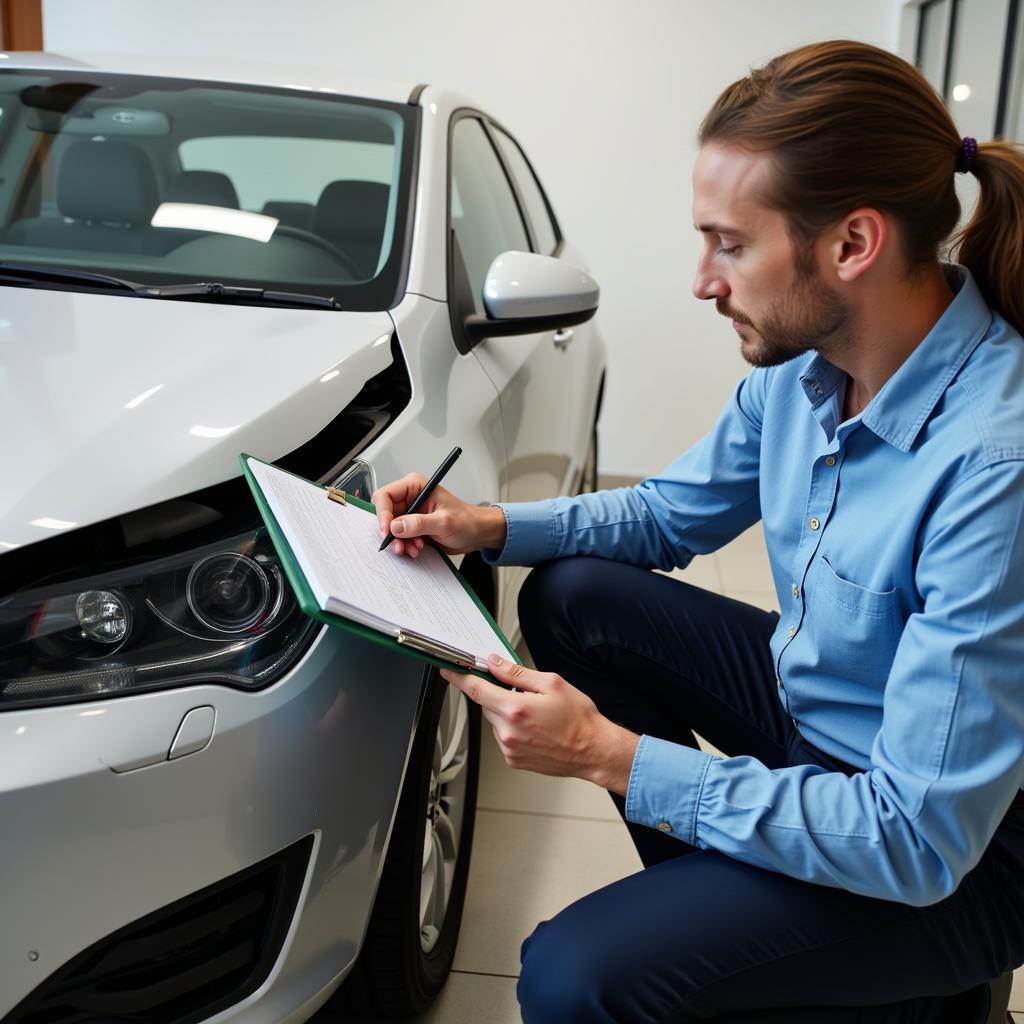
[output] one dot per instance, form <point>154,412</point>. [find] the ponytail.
<point>852,125</point>
<point>991,246</point>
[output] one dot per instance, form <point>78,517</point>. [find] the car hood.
<point>109,404</point>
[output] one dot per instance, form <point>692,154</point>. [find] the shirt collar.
<point>899,410</point>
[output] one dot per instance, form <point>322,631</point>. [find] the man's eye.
<point>728,250</point>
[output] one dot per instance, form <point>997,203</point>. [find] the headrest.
<point>112,182</point>
<point>295,215</point>
<point>353,210</point>
<point>206,188</point>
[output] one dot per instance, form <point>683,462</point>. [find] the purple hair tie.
<point>966,157</point>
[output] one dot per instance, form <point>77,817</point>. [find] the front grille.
<point>184,962</point>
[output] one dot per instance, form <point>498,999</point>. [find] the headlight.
<point>222,613</point>
<point>103,616</point>
<point>230,592</point>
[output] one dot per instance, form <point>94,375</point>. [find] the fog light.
<point>103,616</point>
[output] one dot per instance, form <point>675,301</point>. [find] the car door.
<point>534,373</point>
<point>571,358</point>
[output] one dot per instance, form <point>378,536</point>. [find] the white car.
<point>212,807</point>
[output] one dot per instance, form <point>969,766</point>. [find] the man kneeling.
<point>861,856</point>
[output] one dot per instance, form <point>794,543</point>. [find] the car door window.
<point>484,214</point>
<point>544,228</point>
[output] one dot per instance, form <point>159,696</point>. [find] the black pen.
<point>427,490</point>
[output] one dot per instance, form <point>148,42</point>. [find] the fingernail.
<point>494,659</point>
<point>398,527</point>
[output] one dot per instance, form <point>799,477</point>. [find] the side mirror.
<point>525,292</point>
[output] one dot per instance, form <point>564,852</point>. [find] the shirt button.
<point>778,683</point>
<point>796,590</point>
<point>792,630</point>
<point>664,826</point>
<point>813,522</point>
<point>830,460</point>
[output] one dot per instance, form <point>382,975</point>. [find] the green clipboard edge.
<point>308,603</point>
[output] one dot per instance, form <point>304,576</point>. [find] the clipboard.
<point>407,642</point>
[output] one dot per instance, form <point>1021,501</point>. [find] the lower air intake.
<point>184,962</point>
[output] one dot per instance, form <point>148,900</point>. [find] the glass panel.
<point>976,66</point>
<point>485,215</point>
<point>164,181</point>
<point>933,30</point>
<point>529,188</point>
<point>287,178</point>
<point>1014,123</point>
<point>272,169</point>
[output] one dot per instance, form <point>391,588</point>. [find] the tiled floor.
<point>541,843</point>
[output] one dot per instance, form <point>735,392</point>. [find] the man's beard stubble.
<point>808,317</point>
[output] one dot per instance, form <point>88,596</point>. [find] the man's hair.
<point>850,125</point>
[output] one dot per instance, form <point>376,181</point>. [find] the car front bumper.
<point>87,849</point>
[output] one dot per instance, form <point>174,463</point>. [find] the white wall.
<point>605,96</point>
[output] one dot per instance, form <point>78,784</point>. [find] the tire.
<point>414,927</point>
<point>588,475</point>
<point>588,472</point>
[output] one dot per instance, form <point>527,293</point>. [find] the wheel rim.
<point>446,811</point>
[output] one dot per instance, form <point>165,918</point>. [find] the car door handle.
<point>562,338</point>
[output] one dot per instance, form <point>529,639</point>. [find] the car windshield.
<point>165,182</point>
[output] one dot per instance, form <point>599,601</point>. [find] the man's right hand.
<point>453,524</point>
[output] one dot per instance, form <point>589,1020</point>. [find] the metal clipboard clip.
<point>439,650</point>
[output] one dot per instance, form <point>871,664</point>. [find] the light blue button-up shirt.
<point>897,553</point>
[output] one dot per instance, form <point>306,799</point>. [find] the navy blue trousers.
<point>698,936</point>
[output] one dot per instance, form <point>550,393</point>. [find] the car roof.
<point>285,76</point>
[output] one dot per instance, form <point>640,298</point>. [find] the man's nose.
<point>707,285</point>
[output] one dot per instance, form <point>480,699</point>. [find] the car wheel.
<point>410,941</point>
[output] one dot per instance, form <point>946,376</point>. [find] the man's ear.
<point>858,242</point>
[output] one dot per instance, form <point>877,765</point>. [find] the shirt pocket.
<point>857,629</point>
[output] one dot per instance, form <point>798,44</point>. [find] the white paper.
<point>336,547</point>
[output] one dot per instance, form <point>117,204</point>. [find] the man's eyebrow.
<point>720,229</point>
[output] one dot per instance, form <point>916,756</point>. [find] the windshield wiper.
<point>11,269</point>
<point>30,273</point>
<point>216,291</point>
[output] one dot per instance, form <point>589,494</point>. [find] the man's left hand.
<point>549,726</point>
